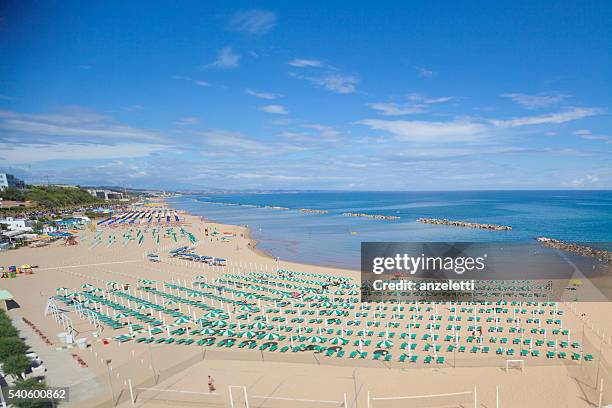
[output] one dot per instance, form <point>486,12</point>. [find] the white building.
<point>106,194</point>
<point>17,224</point>
<point>10,181</point>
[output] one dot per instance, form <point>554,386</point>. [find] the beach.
<point>297,379</point>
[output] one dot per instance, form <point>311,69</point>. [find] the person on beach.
<point>211,384</point>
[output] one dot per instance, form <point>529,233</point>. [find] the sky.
<point>275,95</point>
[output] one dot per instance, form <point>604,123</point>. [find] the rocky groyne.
<point>310,211</point>
<point>584,250</point>
<point>373,216</point>
<point>465,224</point>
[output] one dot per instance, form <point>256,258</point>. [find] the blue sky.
<point>275,95</point>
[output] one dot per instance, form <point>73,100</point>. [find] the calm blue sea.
<point>331,239</point>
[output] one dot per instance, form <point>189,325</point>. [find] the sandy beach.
<point>185,291</point>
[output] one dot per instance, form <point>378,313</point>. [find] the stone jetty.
<point>584,250</point>
<point>309,211</point>
<point>373,216</point>
<point>464,224</point>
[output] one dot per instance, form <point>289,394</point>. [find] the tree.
<point>31,384</point>
<point>16,364</point>
<point>10,346</point>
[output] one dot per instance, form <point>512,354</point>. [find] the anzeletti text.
<point>438,286</point>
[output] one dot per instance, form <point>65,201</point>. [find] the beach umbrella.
<point>248,308</point>
<point>272,336</point>
<point>57,290</point>
<point>250,296</point>
<point>259,325</point>
<point>142,307</point>
<point>110,283</point>
<point>199,277</point>
<point>315,339</point>
<point>169,302</point>
<point>385,344</point>
<point>208,331</point>
<point>249,334</point>
<point>339,340</point>
<point>121,315</point>
<point>87,286</point>
<point>212,314</point>
<point>146,281</point>
<point>227,333</point>
<point>182,320</point>
<point>219,323</point>
<point>338,292</point>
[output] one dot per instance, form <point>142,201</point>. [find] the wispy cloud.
<point>198,82</point>
<point>590,180</point>
<point>276,109</point>
<point>253,22</point>
<point>418,104</point>
<point>302,63</point>
<point>232,143</point>
<point>587,134</point>
<point>425,72</point>
<point>535,101</point>
<point>262,95</point>
<point>338,83</point>
<point>39,152</point>
<point>551,118</point>
<point>74,123</point>
<point>429,132</point>
<point>226,59</point>
<point>188,120</point>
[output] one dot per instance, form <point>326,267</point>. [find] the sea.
<point>335,240</point>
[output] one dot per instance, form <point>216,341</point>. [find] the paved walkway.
<point>62,370</point>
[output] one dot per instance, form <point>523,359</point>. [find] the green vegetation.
<point>46,197</point>
<point>54,197</point>
<point>13,194</point>
<point>15,362</point>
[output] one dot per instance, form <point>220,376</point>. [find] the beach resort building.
<point>10,181</point>
<point>106,194</point>
<point>17,224</point>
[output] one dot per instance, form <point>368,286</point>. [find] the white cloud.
<point>587,134</point>
<point>338,83</point>
<point>395,109</point>
<point>418,104</point>
<point>226,59</point>
<point>30,153</point>
<point>74,123</point>
<point>589,180</point>
<point>188,79</point>
<point>425,72</point>
<point>535,101</point>
<point>326,132</point>
<point>230,143</point>
<point>276,109</point>
<point>189,120</point>
<point>262,95</point>
<point>554,118</point>
<point>253,22</point>
<point>302,63</point>
<point>429,132</point>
